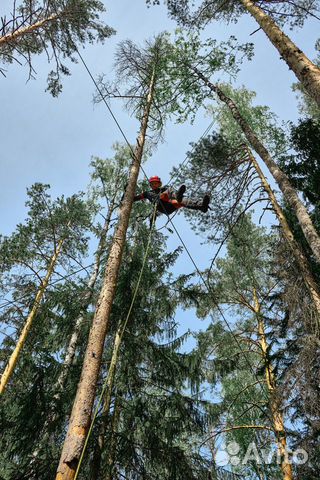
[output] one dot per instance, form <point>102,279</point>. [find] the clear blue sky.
<point>52,140</point>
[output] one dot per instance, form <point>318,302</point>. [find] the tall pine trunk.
<point>275,402</point>
<point>298,254</point>
<point>73,342</point>
<point>289,193</point>
<point>28,324</point>
<point>83,404</point>
<point>306,71</point>
<point>110,379</point>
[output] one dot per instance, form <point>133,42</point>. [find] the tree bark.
<point>109,382</point>
<point>275,402</point>
<point>15,35</point>
<point>71,350</point>
<point>306,71</point>
<point>28,324</point>
<point>298,254</point>
<point>82,408</point>
<point>289,193</point>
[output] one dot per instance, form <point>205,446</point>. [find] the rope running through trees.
<point>206,284</point>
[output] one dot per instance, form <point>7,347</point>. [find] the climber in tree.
<point>169,201</point>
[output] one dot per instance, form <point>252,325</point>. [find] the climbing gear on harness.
<point>165,196</point>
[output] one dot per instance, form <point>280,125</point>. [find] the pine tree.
<point>282,180</point>
<point>110,173</point>
<point>50,228</point>
<point>26,254</point>
<point>53,27</point>
<point>305,70</point>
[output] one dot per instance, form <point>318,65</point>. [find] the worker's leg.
<point>168,207</point>
<point>203,207</point>
<point>180,193</point>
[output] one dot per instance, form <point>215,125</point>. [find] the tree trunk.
<point>306,71</point>
<point>275,402</point>
<point>289,193</point>
<point>82,408</point>
<point>298,254</point>
<point>100,444</point>
<point>27,326</point>
<point>16,34</point>
<point>109,382</point>
<point>87,299</point>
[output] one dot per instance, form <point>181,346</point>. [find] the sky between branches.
<point>51,140</point>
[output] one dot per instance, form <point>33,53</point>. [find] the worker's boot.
<point>205,204</point>
<point>202,207</point>
<point>180,193</point>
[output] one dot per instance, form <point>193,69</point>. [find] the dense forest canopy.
<point>160,327</point>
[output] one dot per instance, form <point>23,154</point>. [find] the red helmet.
<point>155,179</point>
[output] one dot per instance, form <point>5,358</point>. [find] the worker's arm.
<point>141,196</point>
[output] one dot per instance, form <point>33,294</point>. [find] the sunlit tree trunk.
<point>16,34</point>
<point>70,353</point>
<point>306,71</point>
<point>289,193</point>
<point>275,402</point>
<point>83,404</point>
<point>28,324</point>
<point>109,386</point>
